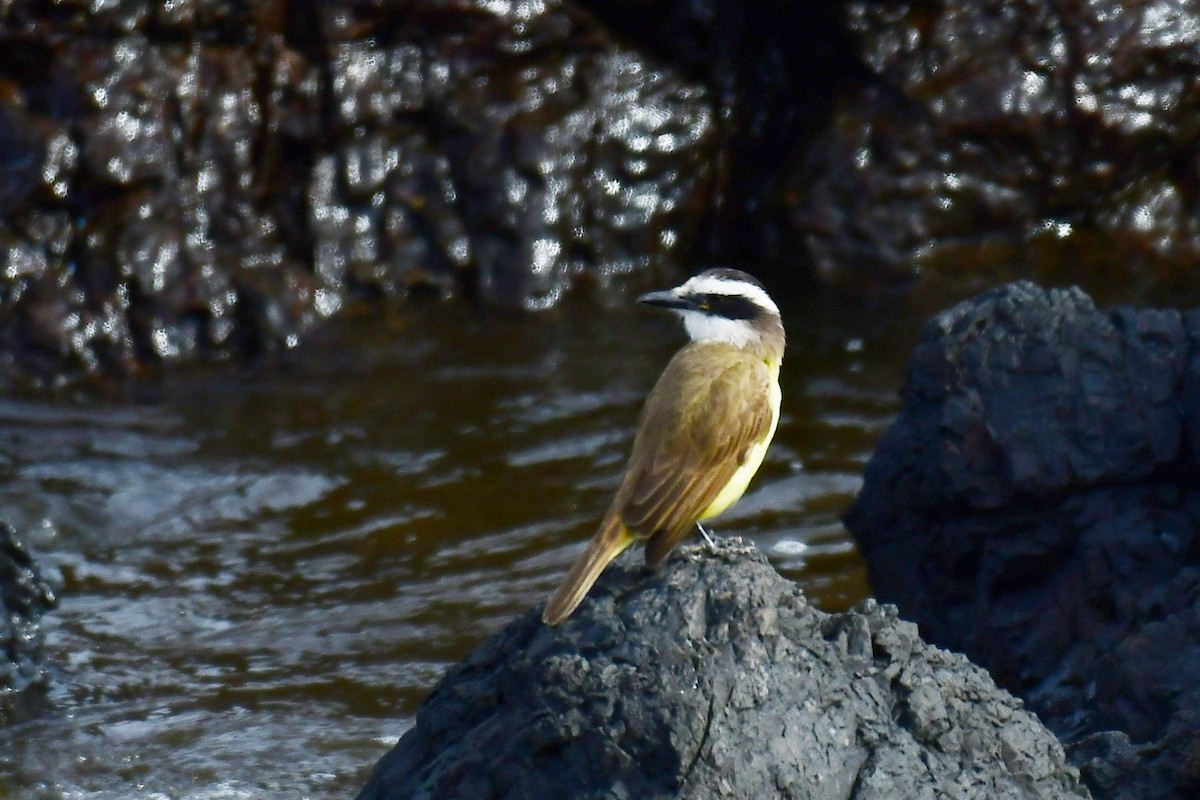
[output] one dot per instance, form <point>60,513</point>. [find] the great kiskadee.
<point>703,431</point>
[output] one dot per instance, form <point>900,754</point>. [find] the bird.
<point>703,432</point>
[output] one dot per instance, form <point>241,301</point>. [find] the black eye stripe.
<point>730,306</point>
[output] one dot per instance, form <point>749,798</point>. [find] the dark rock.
<point>209,178</point>
<point>715,678</point>
<point>24,597</point>
<point>150,236</point>
<point>1010,134</point>
<point>1034,506</point>
<point>524,146</point>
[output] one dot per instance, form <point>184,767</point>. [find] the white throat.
<point>704,328</point>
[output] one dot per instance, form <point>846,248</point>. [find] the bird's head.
<point>723,305</point>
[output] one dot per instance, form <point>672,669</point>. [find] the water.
<point>263,572</point>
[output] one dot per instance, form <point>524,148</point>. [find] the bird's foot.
<point>712,545</point>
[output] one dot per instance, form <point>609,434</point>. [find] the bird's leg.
<point>712,546</point>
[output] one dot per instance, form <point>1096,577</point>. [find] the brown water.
<point>262,573</point>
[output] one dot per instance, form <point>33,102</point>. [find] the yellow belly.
<point>736,487</point>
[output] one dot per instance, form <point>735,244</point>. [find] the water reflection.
<point>263,574</point>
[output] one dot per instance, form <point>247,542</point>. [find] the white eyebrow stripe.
<point>707,284</point>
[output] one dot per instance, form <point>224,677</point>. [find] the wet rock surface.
<point>210,178</point>
<point>715,678</point>
<point>24,597</point>
<point>1034,506</point>
<point>1009,135</point>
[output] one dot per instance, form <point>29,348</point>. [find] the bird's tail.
<point>608,543</point>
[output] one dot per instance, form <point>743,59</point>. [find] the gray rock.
<point>1034,506</point>
<point>715,678</point>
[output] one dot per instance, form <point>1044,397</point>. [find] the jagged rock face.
<point>1010,135</point>
<point>1034,506</point>
<point>209,178</point>
<point>715,678</point>
<point>24,597</point>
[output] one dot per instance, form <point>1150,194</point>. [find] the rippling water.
<point>262,574</point>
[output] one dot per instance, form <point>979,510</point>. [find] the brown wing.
<point>709,407</point>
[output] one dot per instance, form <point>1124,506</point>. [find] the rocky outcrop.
<point>208,178</point>
<point>24,597</point>
<point>715,678</point>
<point>1035,506</point>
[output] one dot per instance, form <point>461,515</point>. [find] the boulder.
<point>1034,506</point>
<point>714,677</point>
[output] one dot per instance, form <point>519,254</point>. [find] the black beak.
<point>667,299</point>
